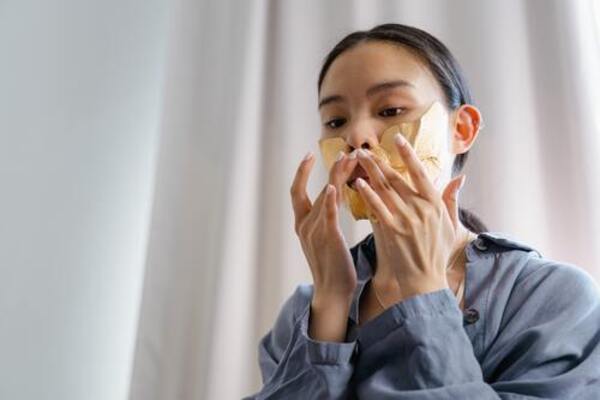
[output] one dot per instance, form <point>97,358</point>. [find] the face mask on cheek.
<point>427,136</point>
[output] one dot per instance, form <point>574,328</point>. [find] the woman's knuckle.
<point>440,210</point>
<point>394,179</point>
<point>304,230</point>
<point>421,174</point>
<point>421,213</point>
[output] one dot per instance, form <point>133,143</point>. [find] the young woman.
<point>431,305</point>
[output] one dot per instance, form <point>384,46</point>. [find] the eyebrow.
<point>388,85</point>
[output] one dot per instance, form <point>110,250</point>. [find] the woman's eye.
<point>335,123</point>
<point>391,112</point>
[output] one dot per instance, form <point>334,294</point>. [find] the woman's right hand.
<point>317,226</point>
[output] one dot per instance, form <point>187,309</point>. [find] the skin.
<point>404,216</point>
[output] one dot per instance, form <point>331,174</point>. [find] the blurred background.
<point>147,150</point>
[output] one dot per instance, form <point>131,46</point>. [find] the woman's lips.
<point>352,183</point>
<point>358,172</point>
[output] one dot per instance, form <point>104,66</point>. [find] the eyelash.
<point>402,109</point>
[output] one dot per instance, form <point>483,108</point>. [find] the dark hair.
<point>442,64</point>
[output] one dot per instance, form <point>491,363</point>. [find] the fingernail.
<point>307,156</point>
<point>329,189</point>
<point>352,155</point>
<point>399,139</point>
<point>362,153</point>
<point>340,156</point>
<point>360,182</point>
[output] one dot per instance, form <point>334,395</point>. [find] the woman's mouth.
<point>358,172</point>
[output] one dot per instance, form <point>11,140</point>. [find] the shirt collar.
<point>364,255</point>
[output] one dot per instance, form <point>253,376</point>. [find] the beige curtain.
<point>240,111</point>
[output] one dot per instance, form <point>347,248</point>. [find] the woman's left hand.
<point>415,231</point>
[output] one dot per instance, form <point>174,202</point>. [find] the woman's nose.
<point>361,137</point>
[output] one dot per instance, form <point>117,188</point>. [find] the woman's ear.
<point>467,124</point>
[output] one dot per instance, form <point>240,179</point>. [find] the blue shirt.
<point>530,330</point>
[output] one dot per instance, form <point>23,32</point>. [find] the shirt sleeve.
<point>294,366</point>
<point>549,341</point>
<point>547,348</point>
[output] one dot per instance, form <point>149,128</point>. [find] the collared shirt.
<point>530,328</point>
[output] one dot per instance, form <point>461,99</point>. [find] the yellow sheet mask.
<point>426,135</point>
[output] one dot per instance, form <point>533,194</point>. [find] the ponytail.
<point>471,221</point>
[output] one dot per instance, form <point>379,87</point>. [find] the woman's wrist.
<point>328,319</point>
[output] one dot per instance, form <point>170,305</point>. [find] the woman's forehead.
<point>370,63</point>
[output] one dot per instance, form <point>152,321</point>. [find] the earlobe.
<point>466,127</point>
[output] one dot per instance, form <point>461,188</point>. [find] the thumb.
<point>450,197</point>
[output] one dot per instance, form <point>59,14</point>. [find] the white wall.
<point>80,85</point>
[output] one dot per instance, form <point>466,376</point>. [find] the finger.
<point>300,200</point>
<point>332,172</point>
<point>416,169</point>
<point>374,202</point>
<point>395,179</point>
<point>338,174</point>
<point>341,171</point>
<point>318,204</point>
<point>450,197</point>
<point>331,209</point>
<point>379,182</point>
<point>376,177</point>
<point>328,209</point>
<point>315,213</point>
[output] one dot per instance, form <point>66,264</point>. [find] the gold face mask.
<point>427,136</point>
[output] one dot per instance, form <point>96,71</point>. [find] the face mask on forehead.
<point>427,136</point>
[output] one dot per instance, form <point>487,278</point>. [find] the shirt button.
<point>470,316</point>
<point>480,244</point>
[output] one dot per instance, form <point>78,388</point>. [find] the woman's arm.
<point>295,366</point>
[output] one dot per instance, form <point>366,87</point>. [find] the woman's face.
<point>375,85</point>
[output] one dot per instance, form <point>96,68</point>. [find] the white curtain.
<point>239,112</point>
<point>80,102</point>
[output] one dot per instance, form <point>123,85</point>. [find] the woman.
<point>387,319</point>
